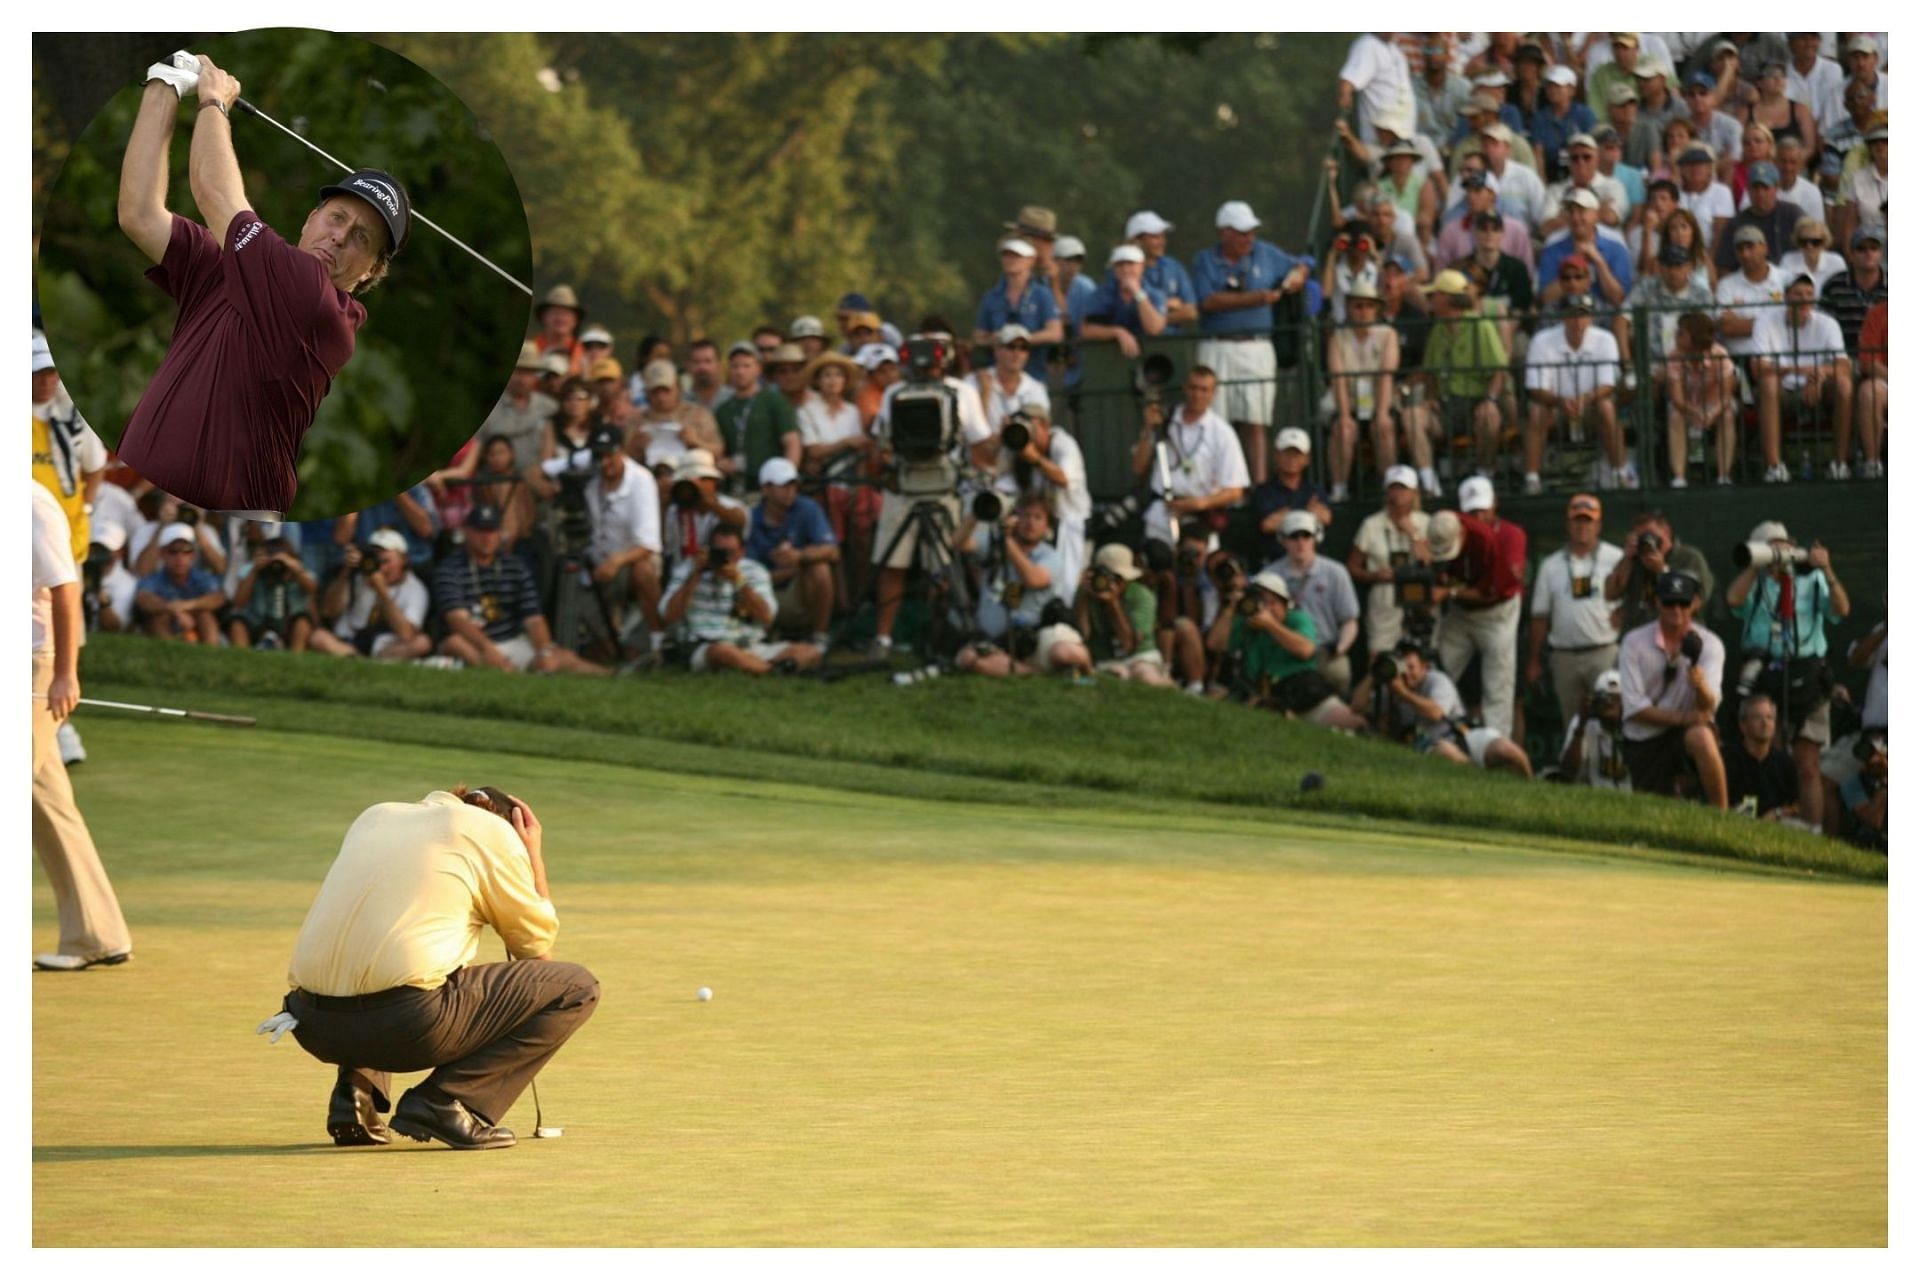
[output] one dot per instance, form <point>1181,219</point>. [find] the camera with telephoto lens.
<point>1102,581</point>
<point>1225,571</point>
<point>1869,745</point>
<point>1767,557</point>
<point>988,506</point>
<point>717,558</point>
<point>1387,667</point>
<point>1017,432</point>
<point>1642,543</point>
<point>369,566</point>
<point>684,494</point>
<point>1249,604</point>
<point>1150,378</point>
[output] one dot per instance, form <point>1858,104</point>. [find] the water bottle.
<point>902,679</point>
<point>1696,444</point>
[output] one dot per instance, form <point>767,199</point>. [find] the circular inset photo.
<point>284,272</point>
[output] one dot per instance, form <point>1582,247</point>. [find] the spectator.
<point>1407,179</point>
<point>1612,165</point>
<point>1863,192</point>
<point>273,603</point>
<point>1238,281</point>
<point>1811,79</point>
<point>723,603</point>
<point>1658,101</point>
<point>1666,295</point>
<point>1377,71</point>
<point>181,599</point>
<point>789,535</point>
<point>882,365</point>
<point>553,372</point>
<point>1273,645</point>
<point>113,609</point>
<point>1323,588</point>
<point>375,605</point>
<point>1556,122</point>
<point>1776,111</point>
<point>1571,372</point>
<point>1207,471</point>
<point>1811,257</point>
<point>1761,780</point>
<point>1774,218</point>
<point>1420,705</point>
<point>1070,272</point>
<point>1861,57</point>
<point>1636,137</point>
<point>1189,600</point>
<point>1393,229</point>
<point>1522,194</point>
<point>1483,614</point>
<point>1648,233</point>
<point>1784,609</point>
<point>522,410</point>
<point>1848,295</point>
<point>767,339</point>
<point>1605,76</point>
<point>1756,147</point>
<point>1611,265</point>
<point>1651,550</point>
<point>566,432</point>
<point>1116,613</point>
<point>707,385</point>
<point>1019,578</point>
<point>1460,238</point>
<point>1870,396</point>
<point>755,421</point>
<point>1595,750</point>
<point>560,316</point>
<point>1050,466</point>
<point>1440,90</point>
<point>1843,142</point>
<point>596,344</point>
<point>1747,295</point>
<point>1582,173</point>
<point>1709,201</point>
<point>1864,795</point>
<point>1125,308</point>
<point>858,304</point>
<point>1503,282</point>
<point>1148,230</point>
<point>1008,388</point>
<point>1841,762</point>
<point>485,470</point>
<point>1388,553</point>
<point>1405,309</point>
<point>1353,259</point>
<point>1716,129</point>
<point>1362,359</point>
<point>1800,355</point>
<point>491,608</point>
<point>1018,298</point>
<point>1570,611</point>
<point>1288,489</point>
<point>610,393</point>
<point>623,503</point>
<point>1670,671</point>
<point>810,335</point>
<point>671,426</point>
<point>1702,399</point>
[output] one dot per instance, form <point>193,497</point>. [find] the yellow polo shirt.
<point>414,888</point>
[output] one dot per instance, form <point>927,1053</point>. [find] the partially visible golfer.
<point>264,325</point>
<point>384,980</point>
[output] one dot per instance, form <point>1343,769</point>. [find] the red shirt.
<point>261,334</point>
<point>1494,560</point>
<point>1873,339</point>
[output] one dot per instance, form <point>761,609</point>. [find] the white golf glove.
<point>279,1024</point>
<point>181,72</point>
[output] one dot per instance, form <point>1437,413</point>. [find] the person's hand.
<point>1032,452</point>
<point>1296,279</point>
<point>1818,556</point>
<point>498,660</point>
<point>179,72</point>
<point>1183,506</point>
<point>62,696</point>
<point>1128,344</point>
<point>216,85</point>
<point>350,558</point>
<point>784,556</point>
<point>526,825</point>
<point>605,571</point>
<point>1534,671</point>
<point>1690,647</point>
<point>262,558</point>
<point>1154,416</point>
<point>169,510</point>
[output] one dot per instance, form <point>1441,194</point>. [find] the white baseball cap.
<point>42,353</point>
<point>1476,494</point>
<point>1125,253</point>
<point>1607,682</point>
<point>807,327</point>
<point>1268,580</point>
<point>1403,475</point>
<point>1293,438</point>
<point>111,536</point>
<point>1299,520</point>
<point>1116,558</point>
<point>389,539</point>
<point>1236,215</point>
<point>596,333</point>
<point>875,354</point>
<point>177,532</point>
<point>1012,332</point>
<point>1018,246</point>
<point>1769,531</point>
<point>777,471</point>
<point>1561,75</point>
<point>1147,223</point>
<point>1069,247</point>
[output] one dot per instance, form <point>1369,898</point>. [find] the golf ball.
<point>704,993</point>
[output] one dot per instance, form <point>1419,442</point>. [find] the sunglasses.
<point>1812,244</point>
<point>769,349</point>
<point>1019,346</point>
<point>1298,533</point>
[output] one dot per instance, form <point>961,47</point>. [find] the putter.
<point>257,113</point>
<point>541,1129</point>
<point>244,722</point>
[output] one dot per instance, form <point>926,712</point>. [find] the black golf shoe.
<point>423,1119</point>
<point>352,1118</point>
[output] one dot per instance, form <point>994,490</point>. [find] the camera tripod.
<point>576,623</point>
<point>943,580</point>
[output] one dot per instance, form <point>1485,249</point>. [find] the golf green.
<point>945,1023</point>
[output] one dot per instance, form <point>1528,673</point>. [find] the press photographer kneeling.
<point>1406,699</point>
<point>377,607</point>
<point>723,604</point>
<point>1272,644</point>
<point>1019,596</point>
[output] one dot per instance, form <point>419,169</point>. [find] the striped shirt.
<point>501,596</point>
<point>711,615</point>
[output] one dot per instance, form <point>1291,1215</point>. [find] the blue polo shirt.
<point>1550,132</point>
<point>386,515</point>
<point>1264,267</point>
<point>1106,307</point>
<point>1619,261</point>
<point>805,526</point>
<point>1169,277</point>
<point>1036,308</point>
<point>199,583</point>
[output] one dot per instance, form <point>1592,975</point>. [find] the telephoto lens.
<point>716,558</point>
<point>987,506</point>
<point>1248,605</point>
<point>1016,435</point>
<point>1386,668</point>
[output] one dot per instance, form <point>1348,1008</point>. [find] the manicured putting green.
<point>961,1024</point>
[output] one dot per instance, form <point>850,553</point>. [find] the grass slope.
<point>977,1024</point>
<point>1135,744</point>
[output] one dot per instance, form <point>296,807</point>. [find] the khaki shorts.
<point>1124,666</point>
<point>519,651</point>
<point>1059,633</point>
<point>767,652</point>
<point>893,515</point>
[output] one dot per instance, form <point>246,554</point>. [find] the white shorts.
<point>1124,666</point>
<point>767,652</point>
<point>1478,740</point>
<point>1058,633</point>
<point>1246,372</point>
<point>519,651</point>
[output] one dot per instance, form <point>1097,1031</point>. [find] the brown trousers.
<point>485,1032</point>
<point>91,925</point>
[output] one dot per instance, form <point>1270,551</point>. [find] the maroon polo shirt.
<point>1494,558</point>
<point>261,334</point>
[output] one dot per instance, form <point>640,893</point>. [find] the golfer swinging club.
<point>264,326</point>
<point>384,980</point>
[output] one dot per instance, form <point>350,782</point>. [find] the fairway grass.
<point>968,1023</point>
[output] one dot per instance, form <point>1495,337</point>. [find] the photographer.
<point>1841,761</point>
<point>1207,472</point>
<point>1569,610</point>
<point>1325,590</point>
<point>1483,614</point>
<point>623,501</point>
<point>271,602</point>
<point>1785,598</point>
<point>1864,796</point>
<point>1405,698</point>
<point>1391,556</point>
<point>1651,549</point>
<point>1019,582</point>
<point>1044,460</point>
<point>1272,643</point>
<point>378,608</point>
<point>696,508</point>
<point>723,603</point>
<point>1670,673</point>
<point>1761,779</point>
<point>1117,613</point>
<point>1595,754</point>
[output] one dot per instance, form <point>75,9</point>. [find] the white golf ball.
<point>704,993</point>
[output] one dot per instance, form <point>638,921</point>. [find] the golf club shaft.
<point>210,716</point>
<point>539,1120</point>
<point>422,218</point>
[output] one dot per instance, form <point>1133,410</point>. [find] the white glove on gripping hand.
<point>279,1024</point>
<point>181,72</point>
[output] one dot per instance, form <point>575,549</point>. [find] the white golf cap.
<point>1012,331</point>
<point>42,353</point>
<point>1069,247</point>
<point>1017,246</point>
<point>660,373</point>
<point>1117,559</point>
<point>177,532</point>
<point>807,327</point>
<point>1769,531</point>
<point>1444,536</point>
<point>389,539</point>
<point>1125,253</point>
<point>777,471</point>
<point>1236,215</point>
<point>1476,494</point>
<point>596,333</point>
<point>1561,75</point>
<point>1293,438</point>
<point>1268,580</point>
<point>1403,475</point>
<point>1582,197</point>
<point>554,362</point>
<point>1147,223</point>
<point>1607,682</point>
<point>1299,520</point>
<point>875,354</point>
<point>111,536</point>
<point>696,464</point>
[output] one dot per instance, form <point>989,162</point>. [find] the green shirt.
<point>1261,655</point>
<point>1143,611</point>
<point>753,427</point>
<point>1464,355</point>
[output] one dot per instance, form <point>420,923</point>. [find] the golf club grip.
<point>246,106</point>
<point>245,722</point>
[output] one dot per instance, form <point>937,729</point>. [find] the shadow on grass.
<point>178,1151</point>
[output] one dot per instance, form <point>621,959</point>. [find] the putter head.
<point>548,1131</point>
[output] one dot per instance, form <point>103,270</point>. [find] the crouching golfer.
<point>383,979</point>
<point>264,325</point>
